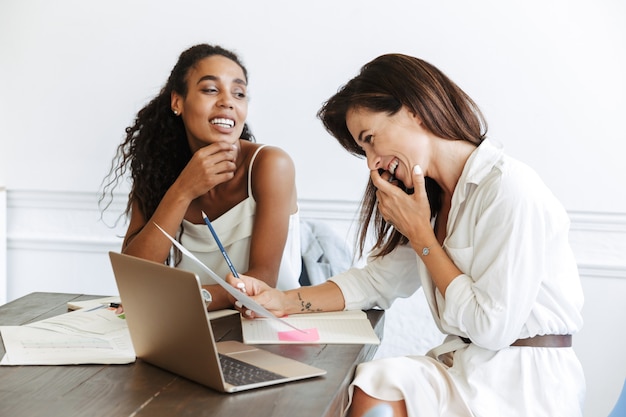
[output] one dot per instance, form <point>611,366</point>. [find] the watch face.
<point>206,296</point>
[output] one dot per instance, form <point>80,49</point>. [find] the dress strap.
<point>250,169</point>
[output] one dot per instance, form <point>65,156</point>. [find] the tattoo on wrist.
<point>306,305</point>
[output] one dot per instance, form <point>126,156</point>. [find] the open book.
<point>341,327</point>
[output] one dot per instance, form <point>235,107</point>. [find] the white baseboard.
<point>68,226</point>
<point>70,221</point>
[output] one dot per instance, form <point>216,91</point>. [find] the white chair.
<point>381,410</point>
<point>324,252</point>
<point>619,410</point>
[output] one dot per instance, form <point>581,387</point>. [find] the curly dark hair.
<point>386,84</point>
<point>155,148</point>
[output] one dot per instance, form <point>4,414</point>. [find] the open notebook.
<point>342,327</point>
<point>169,328</point>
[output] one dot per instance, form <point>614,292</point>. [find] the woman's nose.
<point>373,161</point>
<point>225,101</point>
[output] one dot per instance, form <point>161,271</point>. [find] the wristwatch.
<point>206,296</point>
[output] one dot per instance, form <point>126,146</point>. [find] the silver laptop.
<point>169,328</point>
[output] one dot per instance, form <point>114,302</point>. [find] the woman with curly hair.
<point>190,151</point>
<point>477,229</point>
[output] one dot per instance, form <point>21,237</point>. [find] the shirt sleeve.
<point>380,281</point>
<point>511,244</point>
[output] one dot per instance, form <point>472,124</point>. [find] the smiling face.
<point>216,105</point>
<point>392,143</point>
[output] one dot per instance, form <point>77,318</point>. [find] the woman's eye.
<point>239,94</point>
<point>209,90</point>
<point>369,139</point>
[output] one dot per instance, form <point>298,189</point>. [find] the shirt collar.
<point>478,166</point>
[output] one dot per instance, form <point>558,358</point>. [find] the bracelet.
<point>426,251</point>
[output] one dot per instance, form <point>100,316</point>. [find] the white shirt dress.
<point>508,234</point>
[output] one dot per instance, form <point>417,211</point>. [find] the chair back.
<point>381,410</point>
<point>619,410</point>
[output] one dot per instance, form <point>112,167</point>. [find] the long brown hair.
<point>386,84</point>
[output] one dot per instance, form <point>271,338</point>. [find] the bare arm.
<point>318,298</point>
<point>207,168</point>
<point>274,189</point>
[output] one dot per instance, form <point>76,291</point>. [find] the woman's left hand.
<point>269,298</point>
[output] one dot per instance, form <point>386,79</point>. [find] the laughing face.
<point>216,105</point>
<point>391,143</point>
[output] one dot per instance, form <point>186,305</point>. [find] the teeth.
<point>223,122</point>
<point>393,166</point>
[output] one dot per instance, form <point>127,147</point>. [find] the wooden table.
<point>140,389</point>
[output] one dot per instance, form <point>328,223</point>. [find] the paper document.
<point>238,295</point>
<point>342,327</point>
<point>79,337</point>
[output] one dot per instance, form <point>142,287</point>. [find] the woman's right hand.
<point>270,298</point>
<point>209,166</point>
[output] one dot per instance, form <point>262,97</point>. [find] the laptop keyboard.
<point>240,373</point>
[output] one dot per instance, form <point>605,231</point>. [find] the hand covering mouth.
<point>223,122</point>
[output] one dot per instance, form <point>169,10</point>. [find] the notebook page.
<point>345,327</point>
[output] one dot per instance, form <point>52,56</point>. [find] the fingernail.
<point>241,285</point>
<point>238,304</point>
<point>248,312</point>
<point>417,170</point>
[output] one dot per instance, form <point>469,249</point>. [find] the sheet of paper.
<point>241,297</point>
<point>77,337</point>
<point>345,327</point>
<point>31,346</point>
<point>216,314</point>
<point>101,321</point>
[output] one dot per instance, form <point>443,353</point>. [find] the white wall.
<point>3,243</point>
<point>548,75</point>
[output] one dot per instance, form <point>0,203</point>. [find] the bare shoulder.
<point>273,174</point>
<point>272,159</point>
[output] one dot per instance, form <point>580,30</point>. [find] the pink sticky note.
<point>311,335</point>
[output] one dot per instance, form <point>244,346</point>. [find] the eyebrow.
<point>215,78</point>
<point>360,138</point>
